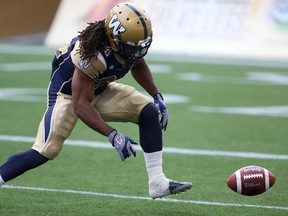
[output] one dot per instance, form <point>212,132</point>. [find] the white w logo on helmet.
<point>116,25</point>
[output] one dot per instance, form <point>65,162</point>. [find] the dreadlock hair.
<point>92,39</point>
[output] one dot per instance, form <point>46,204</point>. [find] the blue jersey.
<point>103,68</point>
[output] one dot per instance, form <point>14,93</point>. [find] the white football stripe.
<point>267,181</point>
<point>119,196</point>
<point>272,111</point>
<point>239,182</point>
<point>172,150</point>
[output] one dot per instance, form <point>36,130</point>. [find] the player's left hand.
<point>162,109</point>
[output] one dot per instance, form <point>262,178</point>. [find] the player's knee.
<point>52,151</point>
<point>149,114</point>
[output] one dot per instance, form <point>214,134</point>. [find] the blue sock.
<point>21,162</point>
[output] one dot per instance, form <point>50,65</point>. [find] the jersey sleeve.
<point>92,67</point>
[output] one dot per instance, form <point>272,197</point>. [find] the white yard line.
<point>42,50</point>
<point>172,150</point>
<point>249,78</point>
<point>271,111</point>
<point>169,200</point>
<point>47,66</point>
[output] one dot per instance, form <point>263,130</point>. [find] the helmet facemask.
<point>129,50</point>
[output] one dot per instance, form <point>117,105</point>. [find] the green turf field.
<point>221,117</point>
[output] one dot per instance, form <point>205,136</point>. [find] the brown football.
<point>251,180</point>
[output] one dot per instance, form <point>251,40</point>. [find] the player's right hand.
<point>122,144</point>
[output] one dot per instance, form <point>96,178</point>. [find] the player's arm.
<point>83,87</point>
<point>143,76</point>
<point>82,95</point>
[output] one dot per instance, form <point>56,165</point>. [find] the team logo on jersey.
<point>116,25</point>
<point>85,63</point>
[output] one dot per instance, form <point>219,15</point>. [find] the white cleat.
<point>173,187</point>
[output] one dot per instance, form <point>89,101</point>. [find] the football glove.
<point>122,144</point>
<point>162,109</point>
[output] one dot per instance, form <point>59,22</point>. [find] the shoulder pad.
<point>92,67</point>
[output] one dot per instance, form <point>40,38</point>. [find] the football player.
<point>82,86</point>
